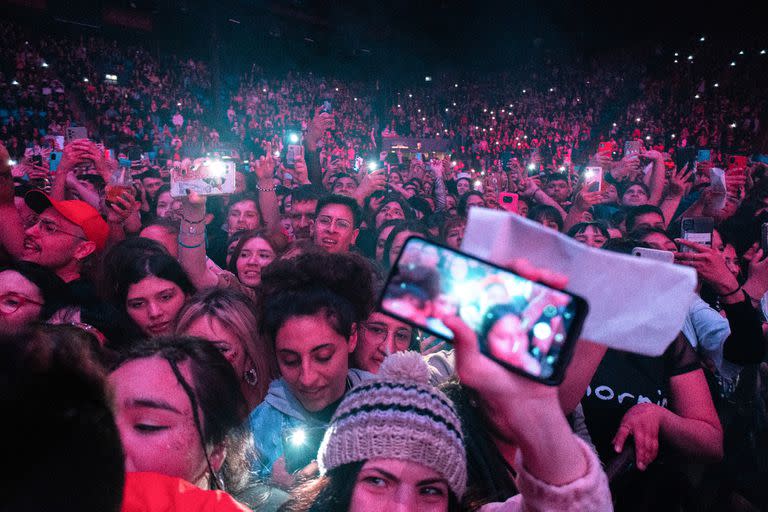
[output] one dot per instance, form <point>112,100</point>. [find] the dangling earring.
<point>251,377</point>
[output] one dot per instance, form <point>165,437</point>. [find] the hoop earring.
<point>250,377</point>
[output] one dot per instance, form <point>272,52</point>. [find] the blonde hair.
<point>236,312</point>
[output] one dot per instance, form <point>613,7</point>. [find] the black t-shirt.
<point>623,380</point>
<point>81,292</point>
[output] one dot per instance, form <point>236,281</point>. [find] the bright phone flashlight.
<point>293,138</point>
<point>531,167</point>
<point>589,173</point>
<point>276,154</point>
<point>216,168</point>
<point>372,166</point>
<point>298,437</point>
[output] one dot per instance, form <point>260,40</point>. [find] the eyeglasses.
<point>378,333</point>
<point>49,227</point>
<point>326,222</point>
<point>11,302</point>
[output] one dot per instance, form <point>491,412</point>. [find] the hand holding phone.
<point>697,230</point>
<point>593,179</point>
<point>525,326</point>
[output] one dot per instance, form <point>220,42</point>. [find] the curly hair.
<point>338,285</point>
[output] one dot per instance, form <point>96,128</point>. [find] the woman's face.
<point>634,196</point>
<point>166,205</point>
<point>660,242</point>
<point>395,484</point>
<point>475,200</point>
<point>397,244</point>
<point>547,222</point>
<point>455,235</point>
<point>592,237</point>
<point>228,343</point>
<point>731,259</point>
<point>395,178</point>
<point>153,304</point>
<point>380,336</point>
<point>462,186</point>
<point>507,339</point>
<point>20,302</point>
<point>313,360</point>
<point>254,256</point>
<point>390,210</point>
<point>381,241</point>
<point>154,417</point>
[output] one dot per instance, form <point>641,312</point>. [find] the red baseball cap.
<point>77,212</point>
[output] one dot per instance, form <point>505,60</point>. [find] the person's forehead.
<point>304,206</point>
<point>336,210</point>
<point>381,318</point>
<point>51,214</point>
<point>151,378</point>
<point>12,281</point>
<point>245,204</point>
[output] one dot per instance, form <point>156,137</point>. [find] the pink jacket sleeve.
<point>590,492</point>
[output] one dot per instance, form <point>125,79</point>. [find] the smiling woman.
<point>311,307</point>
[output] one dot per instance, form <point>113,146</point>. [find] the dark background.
<point>401,37</point>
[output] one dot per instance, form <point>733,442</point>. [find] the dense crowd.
<point>224,351</point>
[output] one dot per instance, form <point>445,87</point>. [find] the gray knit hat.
<point>398,414</point>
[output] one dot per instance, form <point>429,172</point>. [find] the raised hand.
<point>710,266</point>
<point>642,422</point>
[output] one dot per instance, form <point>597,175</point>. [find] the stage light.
<point>85,79</point>
<point>717,84</point>
<point>44,64</point>
<point>427,78</point>
<point>733,63</point>
<point>702,39</point>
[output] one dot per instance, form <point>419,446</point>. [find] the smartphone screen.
<point>526,326</point>
<point>213,177</point>
<point>698,230</point>
<point>593,179</point>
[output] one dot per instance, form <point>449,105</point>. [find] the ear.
<point>217,456</point>
<point>354,235</point>
<point>84,249</point>
<point>352,345</point>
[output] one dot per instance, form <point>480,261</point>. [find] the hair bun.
<point>405,366</point>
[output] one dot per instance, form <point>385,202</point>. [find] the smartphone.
<point>654,254</point>
<point>737,164</point>
<point>633,147</point>
<point>704,155</point>
<point>605,147</point>
<point>509,201</point>
<point>697,229</point>
<point>326,106</point>
<point>293,147</point>
<point>686,155</point>
<point>593,179</point>
<point>301,445</point>
<point>527,327</point>
<point>213,177</point>
<point>75,133</point>
<point>764,238</point>
<point>53,160</point>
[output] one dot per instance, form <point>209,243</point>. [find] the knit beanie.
<point>398,414</point>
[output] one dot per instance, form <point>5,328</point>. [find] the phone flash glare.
<point>372,165</point>
<point>293,138</point>
<point>298,437</point>
<point>216,168</point>
<point>531,167</point>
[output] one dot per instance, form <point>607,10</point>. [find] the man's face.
<point>345,186</point>
<point>243,215</point>
<point>335,229</point>
<point>649,220</point>
<point>151,185</point>
<point>52,241</point>
<point>558,190</point>
<point>303,218</point>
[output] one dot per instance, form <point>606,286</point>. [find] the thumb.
<point>621,438</point>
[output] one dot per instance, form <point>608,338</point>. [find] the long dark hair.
<point>333,491</point>
<point>215,391</point>
<point>158,265</point>
<point>411,225</point>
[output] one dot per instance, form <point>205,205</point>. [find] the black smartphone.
<point>686,155</point>
<point>697,229</point>
<point>292,147</point>
<point>301,446</point>
<point>525,326</point>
